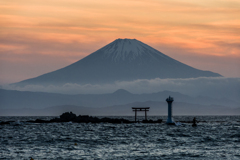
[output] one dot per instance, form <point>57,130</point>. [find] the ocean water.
<point>216,137</point>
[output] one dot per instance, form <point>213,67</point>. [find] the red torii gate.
<point>140,109</point>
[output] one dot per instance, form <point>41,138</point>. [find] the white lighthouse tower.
<point>170,119</point>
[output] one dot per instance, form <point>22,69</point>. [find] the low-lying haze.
<point>213,87</point>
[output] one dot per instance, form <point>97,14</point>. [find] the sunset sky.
<point>37,37</point>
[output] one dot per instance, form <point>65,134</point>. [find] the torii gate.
<point>140,109</point>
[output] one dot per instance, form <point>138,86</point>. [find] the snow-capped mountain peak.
<point>121,60</point>
<point>128,50</point>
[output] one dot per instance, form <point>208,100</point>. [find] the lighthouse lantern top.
<point>169,99</point>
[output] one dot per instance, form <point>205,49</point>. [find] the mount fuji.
<point>121,60</point>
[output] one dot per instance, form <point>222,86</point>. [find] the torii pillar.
<point>170,119</point>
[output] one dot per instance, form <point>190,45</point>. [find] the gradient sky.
<point>37,37</point>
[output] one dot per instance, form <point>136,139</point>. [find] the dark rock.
<point>85,118</point>
<point>41,121</point>
<point>4,123</point>
<point>56,120</point>
<point>170,123</point>
<point>151,121</point>
<point>68,116</point>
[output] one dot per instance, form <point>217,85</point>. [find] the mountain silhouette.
<point>25,99</point>
<point>121,60</point>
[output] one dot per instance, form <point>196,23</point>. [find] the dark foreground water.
<point>217,138</point>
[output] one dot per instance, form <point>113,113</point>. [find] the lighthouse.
<point>170,119</point>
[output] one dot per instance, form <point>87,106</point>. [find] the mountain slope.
<point>121,60</point>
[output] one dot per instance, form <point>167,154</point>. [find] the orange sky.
<point>41,36</point>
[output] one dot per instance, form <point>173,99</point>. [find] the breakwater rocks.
<point>73,118</point>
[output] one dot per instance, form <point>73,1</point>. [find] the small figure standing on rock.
<point>194,122</point>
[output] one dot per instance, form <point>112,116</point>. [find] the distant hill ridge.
<point>25,99</point>
<point>121,60</point>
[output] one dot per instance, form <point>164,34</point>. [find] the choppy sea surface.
<point>217,138</point>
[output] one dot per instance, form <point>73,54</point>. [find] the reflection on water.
<point>219,138</point>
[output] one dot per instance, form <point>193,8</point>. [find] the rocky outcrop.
<point>151,121</point>
<point>68,116</point>
<point>71,117</point>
